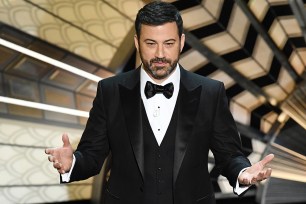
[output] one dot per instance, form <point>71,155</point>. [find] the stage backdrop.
<point>26,176</point>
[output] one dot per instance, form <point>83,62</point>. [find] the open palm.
<point>257,172</point>
<point>61,157</point>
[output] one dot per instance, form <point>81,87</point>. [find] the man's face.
<point>159,48</point>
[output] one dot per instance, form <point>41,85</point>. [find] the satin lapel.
<point>131,103</point>
<point>188,101</point>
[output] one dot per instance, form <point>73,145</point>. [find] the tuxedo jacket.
<point>115,125</point>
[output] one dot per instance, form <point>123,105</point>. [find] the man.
<point>159,135</point>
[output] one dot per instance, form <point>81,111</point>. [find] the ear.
<point>136,42</point>
<point>182,41</point>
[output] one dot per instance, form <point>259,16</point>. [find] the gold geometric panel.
<point>104,73</point>
<point>192,60</point>
<point>277,2</point>
<point>88,88</point>
<point>302,54</point>
<point>30,67</point>
<point>238,25</point>
<point>58,97</point>
<point>196,17</point>
<point>247,100</point>
<point>6,56</point>
<point>249,68</point>
<point>263,54</point>
<point>267,121</point>
<point>275,92</point>
<point>62,98</point>
<point>259,8</point>
<point>240,113</point>
<point>222,76</point>
<point>277,34</point>
<point>95,17</point>
<point>296,60</point>
<point>286,81</point>
<point>64,79</point>
<point>80,63</point>
<point>24,111</point>
<point>221,43</point>
<point>53,29</point>
<point>83,103</point>
<point>129,8</point>
<point>22,88</point>
<point>45,49</point>
<point>213,7</point>
<point>290,25</point>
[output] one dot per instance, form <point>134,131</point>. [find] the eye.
<point>150,44</point>
<point>169,44</point>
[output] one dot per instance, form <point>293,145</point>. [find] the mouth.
<point>160,63</point>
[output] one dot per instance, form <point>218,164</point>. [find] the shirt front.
<point>158,108</point>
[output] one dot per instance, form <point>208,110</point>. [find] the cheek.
<point>147,54</point>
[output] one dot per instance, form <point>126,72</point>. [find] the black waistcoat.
<point>158,180</point>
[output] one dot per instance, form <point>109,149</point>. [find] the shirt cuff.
<point>66,176</point>
<point>240,189</point>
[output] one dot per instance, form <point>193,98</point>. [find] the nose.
<point>160,51</point>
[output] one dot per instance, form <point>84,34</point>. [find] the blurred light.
<point>283,117</point>
<point>273,101</point>
<point>51,61</point>
<point>262,99</point>
<point>44,107</point>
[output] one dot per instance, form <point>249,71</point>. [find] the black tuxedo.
<point>203,122</point>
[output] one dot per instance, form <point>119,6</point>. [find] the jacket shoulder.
<point>122,78</point>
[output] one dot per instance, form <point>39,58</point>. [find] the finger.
<point>49,151</point>
<point>261,175</point>
<point>267,159</point>
<point>268,172</point>
<point>65,140</point>
<point>57,165</point>
<point>264,175</point>
<point>245,181</point>
<point>50,158</point>
<point>61,171</point>
<point>254,180</point>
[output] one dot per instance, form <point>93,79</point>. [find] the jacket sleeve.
<point>94,146</point>
<point>225,142</point>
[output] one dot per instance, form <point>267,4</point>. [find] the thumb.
<point>267,159</point>
<point>65,140</point>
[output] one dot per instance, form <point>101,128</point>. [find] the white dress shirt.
<point>159,109</point>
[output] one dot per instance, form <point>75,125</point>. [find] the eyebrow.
<point>164,41</point>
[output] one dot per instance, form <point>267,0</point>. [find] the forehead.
<point>159,32</point>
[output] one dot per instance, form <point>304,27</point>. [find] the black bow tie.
<point>152,89</point>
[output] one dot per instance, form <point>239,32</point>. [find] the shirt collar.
<point>174,78</point>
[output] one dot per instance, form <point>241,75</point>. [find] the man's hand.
<point>256,172</point>
<point>61,156</point>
